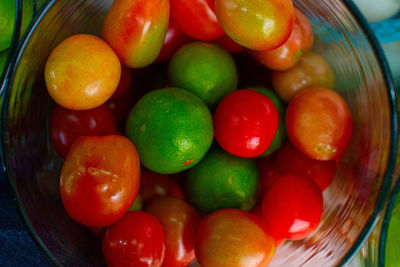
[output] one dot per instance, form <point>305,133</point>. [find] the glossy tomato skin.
<point>136,30</point>
<point>82,72</point>
<point>137,239</point>
<point>287,55</point>
<point>256,24</point>
<point>233,238</point>
<point>174,39</point>
<point>100,179</point>
<point>245,123</point>
<point>311,71</point>
<point>154,185</point>
<point>180,222</point>
<point>196,18</point>
<point>319,123</point>
<point>292,207</point>
<point>289,159</point>
<point>68,125</point>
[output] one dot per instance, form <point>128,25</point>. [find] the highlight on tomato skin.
<point>292,207</point>
<point>245,242</point>
<point>180,222</point>
<point>137,239</point>
<point>287,55</point>
<point>100,179</point>
<point>196,18</point>
<point>256,24</point>
<point>136,30</point>
<point>319,123</point>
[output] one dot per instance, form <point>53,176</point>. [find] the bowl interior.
<point>351,202</point>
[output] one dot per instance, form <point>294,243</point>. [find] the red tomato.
<point>67,125</point>
<point>135,240</point>
<point>124,83</point>
<point>100,179</point>
<point>292,207</point>
<point>155,185</point>
<point>268,173</point>
<point>174,40</point>
<point>233,238</point>
<point>256,24</point>
<point>291,160</point>
<point>229,45</point>
<point>180,222</point>
<point>196,18</point>
<point>245,122</point>
<point>319,123</point>
<point>286,56</point>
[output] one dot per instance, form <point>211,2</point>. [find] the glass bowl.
<point>352,202</point>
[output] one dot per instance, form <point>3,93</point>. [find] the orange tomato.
<point>82,72</point>
<point>319,123</point>
<point>233,238</point>
<point>100,179</point>
<point>311,71</point>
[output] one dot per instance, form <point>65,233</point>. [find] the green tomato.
<point>204,69</point>
<point>280,135</point>
<point>138,203</point>
<point>221,181</point>
<point>7,21</point>
<point>171,128</point>
<point>3,60</point>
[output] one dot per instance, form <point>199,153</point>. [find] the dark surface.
<point>17,247</point>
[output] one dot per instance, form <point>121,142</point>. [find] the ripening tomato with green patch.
<point>196,18</point>
<point>319,123</point>
<point>256,24</point>
<point>100,179</point>
<point>180,222</point>
<point>136,30</point>
<point>137,239</point>
<point>233,238</point>
<point>287,55</point>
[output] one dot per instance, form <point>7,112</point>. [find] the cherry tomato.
<point>229,45</point>
<point>136,30</point>
<point>124,83</point>
<point>82,72</point>
<point>180,222</point>
<point>311,71</point>
<point>100,179</point>
<point>287,55</point>
<point>269,173</point>
<point>137,239</point>
<point>245,123</point>
<point>155,185</point>
<point>319,123</point>
<point>174,39</point>
<point>196,18</point>
<point>292,207</point>
<point>68,125</point>
<point>233,238</point>
<point>289,159</point>
<point>256,24</point>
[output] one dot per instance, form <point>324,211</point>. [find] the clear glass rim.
<point>384,67</point>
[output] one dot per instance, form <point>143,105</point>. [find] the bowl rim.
<point>383,66</point>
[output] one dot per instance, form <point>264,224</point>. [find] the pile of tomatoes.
<point>182,152</point>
